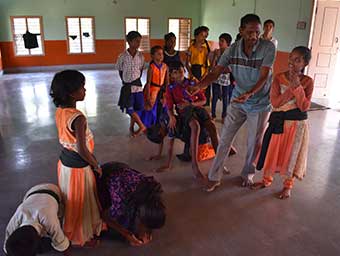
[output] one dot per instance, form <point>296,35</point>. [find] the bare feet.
<point>163,168</point>
<point>258,185</point>
<point>212,185</point>
<point>285,193</point>
<point>93,243</point>
<point>156,157</point>
<point>197,173</point>
<point>140,131</point>
<point>247,181</point>
<point>131,131</point>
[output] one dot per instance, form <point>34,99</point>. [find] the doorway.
<point>324,42</point>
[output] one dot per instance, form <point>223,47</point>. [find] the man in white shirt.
<point>36,217</point>
<point>268,29</point>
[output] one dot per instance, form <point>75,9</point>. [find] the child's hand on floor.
<point>133,240</point>
<point>146,238</point>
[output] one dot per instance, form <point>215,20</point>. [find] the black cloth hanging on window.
<point>73,37</point>
<point>86,34</point>
<point>30,40</point>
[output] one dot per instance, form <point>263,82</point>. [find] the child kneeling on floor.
<point>132,202</point>
<point>35,226</point>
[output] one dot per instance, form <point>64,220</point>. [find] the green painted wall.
<point>222,16</point>
<point>109,17</point>
<point>219,15</point>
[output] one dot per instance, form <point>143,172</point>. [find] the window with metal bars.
<point>181,27</point>
<point>80,34</point>
<point>27,25</point>
<point>142,25</point>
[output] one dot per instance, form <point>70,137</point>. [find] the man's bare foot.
<point>156,157</point>
<point>163,168</point>
<point>140,131</point>
<point>212,185</point>
<point>247,181</point>
<point>258,185</point>
<point>285,193</point>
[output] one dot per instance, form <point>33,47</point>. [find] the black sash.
<point>72,159</point>
<point>125,93</point>
<point>156,85</point>
<point>45,191</point>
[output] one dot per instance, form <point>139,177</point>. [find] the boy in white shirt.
<point>130,65</point>
<point>36,217</point>
<point>268,29</point>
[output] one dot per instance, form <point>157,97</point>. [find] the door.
<point>325,47</point>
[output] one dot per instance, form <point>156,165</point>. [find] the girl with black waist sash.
<point>285,143</point>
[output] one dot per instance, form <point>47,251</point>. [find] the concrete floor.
<point>232,221</point>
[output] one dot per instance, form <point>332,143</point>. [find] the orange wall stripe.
<point>107,51</point>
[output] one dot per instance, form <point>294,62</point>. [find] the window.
<point>31,27</point>
<point>80,34</point>
<point>181,27</point>
<point>142,25</point>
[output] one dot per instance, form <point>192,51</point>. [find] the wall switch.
<point>301,25</point>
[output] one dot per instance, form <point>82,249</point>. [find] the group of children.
<point>91,197</point>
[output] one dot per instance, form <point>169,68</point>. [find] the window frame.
<point>125,32</point>
<point>42,35</point>
<point>81,41</point>
<point>181,18</point>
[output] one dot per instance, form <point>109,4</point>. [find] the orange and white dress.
<point>78,185</point>
<point>287,152</point>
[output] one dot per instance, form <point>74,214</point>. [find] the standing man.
<point>250,60</point>
<point>268,29</point>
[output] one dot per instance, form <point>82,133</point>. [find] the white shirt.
<point>41,212</point>
<point>131,68</point>
<point>273,40</point>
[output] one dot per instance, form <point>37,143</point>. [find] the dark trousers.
<point>208,95</point>
<point>223,93</point>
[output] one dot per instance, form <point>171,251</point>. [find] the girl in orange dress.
<point>77,164</point>
<point>157,79</point>
<point>285,143</point>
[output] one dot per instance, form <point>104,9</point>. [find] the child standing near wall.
<point>157,78</point>
<point>285,143</point>
<point>197,62</point>
<point>223,87</point>
<point>170,54</point>
<point>130,65</point>
<point>77,163</point>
